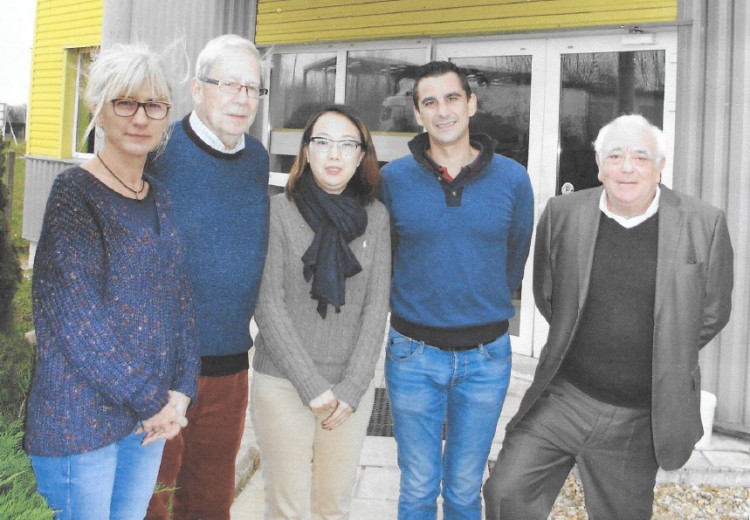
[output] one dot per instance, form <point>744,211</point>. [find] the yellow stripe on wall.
<point>299,21</point>
<point>61,25</point>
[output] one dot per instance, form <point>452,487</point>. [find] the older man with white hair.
<point>634,279</point>
<point>217,175</point>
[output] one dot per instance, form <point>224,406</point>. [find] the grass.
<point>16,222</point>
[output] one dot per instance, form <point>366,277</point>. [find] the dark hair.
<point>438,68</point>
<point>366,178</point>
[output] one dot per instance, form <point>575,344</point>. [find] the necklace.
<point>135,192</point>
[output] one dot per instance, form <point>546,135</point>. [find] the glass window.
<point>82,144</point>
<point>596,88</point>
<point>301,83</point>
<point>379,85</point>
<point>502,85</point>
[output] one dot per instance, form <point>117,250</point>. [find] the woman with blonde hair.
<point>321,317</point>
<point>117,360</point>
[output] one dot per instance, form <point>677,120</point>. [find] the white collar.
<point>210,138</point>
<point>632,221</point>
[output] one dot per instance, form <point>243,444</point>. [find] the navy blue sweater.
<point>113,317</point>
<point>221,207</point>
<point>457,263</point>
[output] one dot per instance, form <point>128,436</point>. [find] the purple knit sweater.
<point>113,315</point>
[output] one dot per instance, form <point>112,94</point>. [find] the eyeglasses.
<point>347,147</point>
<point>233,87</point>
<point>128,107</point>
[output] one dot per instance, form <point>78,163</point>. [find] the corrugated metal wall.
<point>60,25</point>
<point>712,161</point>
<point>298,21</point>
<point>159,24</point>
<point>36,191</point>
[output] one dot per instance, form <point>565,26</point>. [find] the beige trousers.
<point>309,472</point>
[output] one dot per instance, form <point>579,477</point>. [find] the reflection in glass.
<point>596,88</point>
<point>301,83</point>
<point>379,85</point>
<point>83,143</point>
<point>502,85</point>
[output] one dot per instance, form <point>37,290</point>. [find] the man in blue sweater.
<point>462,218</point>
<point>217,176</point>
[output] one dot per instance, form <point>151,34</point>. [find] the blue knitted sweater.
<point>221,207</point>
<point>113,316</point>
<point>457,266</point>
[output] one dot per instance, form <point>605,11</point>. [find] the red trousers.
<point>199,462</point>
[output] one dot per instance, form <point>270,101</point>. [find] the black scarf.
<point>336,220</point>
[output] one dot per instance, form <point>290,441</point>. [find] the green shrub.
<point>18,497</point>
<point>10,271</point>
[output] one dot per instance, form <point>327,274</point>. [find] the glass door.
<point>545,99</point>
<point>507,78</point>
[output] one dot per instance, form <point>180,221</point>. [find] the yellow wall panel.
<point>298,21</point>
<point>61,26</point>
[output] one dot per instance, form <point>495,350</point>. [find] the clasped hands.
<point>327,403</point>
<point>168,422</point>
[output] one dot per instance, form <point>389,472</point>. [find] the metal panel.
<point>160,24</point>
<point>295,21</point>
<point>712,161</point>
<point>40,174</point>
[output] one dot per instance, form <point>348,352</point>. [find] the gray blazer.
<point>693,302</point>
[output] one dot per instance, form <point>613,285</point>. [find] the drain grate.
<point>381,424</point>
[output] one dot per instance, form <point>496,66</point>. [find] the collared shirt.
<point>632,221</point>
<point>210,138</point>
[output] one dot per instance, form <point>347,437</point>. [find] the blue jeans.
<point>110,483</point>
<point>466,388</point>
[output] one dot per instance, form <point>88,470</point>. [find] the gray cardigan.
<point>294,342</point>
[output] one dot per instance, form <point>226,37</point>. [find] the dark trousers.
<point>199,462</point>
<point>612,446</point>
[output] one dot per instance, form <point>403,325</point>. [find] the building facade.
<point>547,73</point>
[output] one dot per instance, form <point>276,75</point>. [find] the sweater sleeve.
<point>69,310</point>
<point>361,364</point>
<point>188,358</point>
<point>519,237</point>
<point>283,342</point>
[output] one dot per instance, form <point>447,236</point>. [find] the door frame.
<point>546,51</point>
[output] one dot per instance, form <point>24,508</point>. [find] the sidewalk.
<point>726,462</point>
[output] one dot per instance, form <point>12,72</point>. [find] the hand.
<point>180,401</point>
<point>325,402</point>
<point>339,415</point>
<point>166,424</point>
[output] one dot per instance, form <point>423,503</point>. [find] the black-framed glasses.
<point>125,107</point>
<point>347,147</point>
<point>233,87</point>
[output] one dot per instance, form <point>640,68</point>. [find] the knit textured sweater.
<point>113,316</point>
<point>221,208</point>
<point>456,266</point>
<point>294,342</point>
<point>610,357</point>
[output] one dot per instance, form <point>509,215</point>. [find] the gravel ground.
<point>671,502</point>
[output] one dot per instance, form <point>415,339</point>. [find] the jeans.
<point>114,482</point>
<point>466,388</point>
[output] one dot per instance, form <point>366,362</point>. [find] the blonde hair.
<point>122,70</point>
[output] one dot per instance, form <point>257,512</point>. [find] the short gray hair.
<point>632,123</point>
<point>216,47</point>
<point>121,70</point>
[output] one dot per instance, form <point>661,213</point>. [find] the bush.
<point>10,271</point>
<point>18,497</point>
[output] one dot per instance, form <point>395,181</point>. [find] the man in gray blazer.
<point>634,279</point>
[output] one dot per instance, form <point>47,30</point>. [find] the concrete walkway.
<point>726,462</point>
